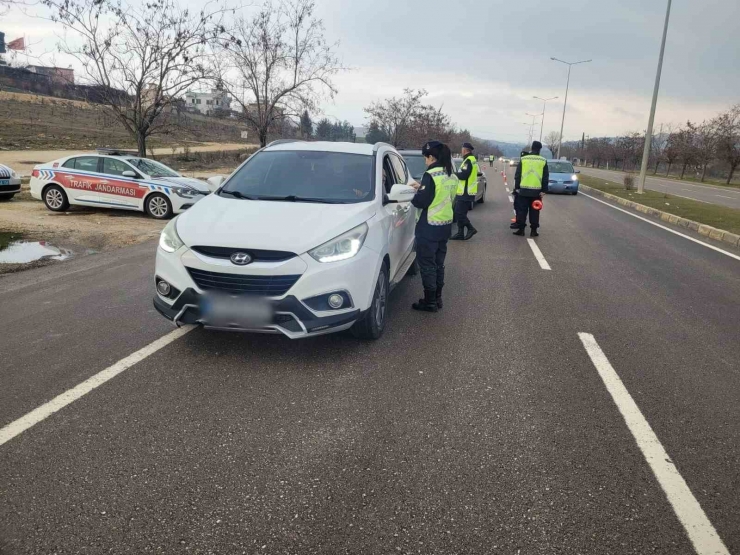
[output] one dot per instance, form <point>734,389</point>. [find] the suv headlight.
<point>343,247</point>
<point>169,240</point>
<point>574,177</point>
<point>14,174</point>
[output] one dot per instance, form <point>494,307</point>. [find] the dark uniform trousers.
<point>522,205</point>
<point>462,207</point>
<point>431,258</point>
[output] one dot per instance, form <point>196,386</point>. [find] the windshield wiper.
<point>295,198</point>
<point>237,194</point>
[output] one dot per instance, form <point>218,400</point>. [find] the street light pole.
<point>649,134</point>
<point>531,126</point>
<point>565,102</point>
<point>544,105</point>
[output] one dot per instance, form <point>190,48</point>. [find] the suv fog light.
<point>163,288</point>
<point>336,301</point>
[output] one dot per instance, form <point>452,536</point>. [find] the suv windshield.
<point>152,168</point>
<point>304,175</point>
<point>560,167</point>
<point>416,165</point>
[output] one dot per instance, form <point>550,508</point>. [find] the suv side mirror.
<point>578,171</point>
<point>480,174</point>
<point>215,182</point>
<point>129,173</point>
<point>401,193</point>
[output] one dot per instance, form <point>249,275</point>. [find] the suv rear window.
<point>301,175</point>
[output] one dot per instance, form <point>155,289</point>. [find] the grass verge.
<point>734,184</point>
<point>713,215</point>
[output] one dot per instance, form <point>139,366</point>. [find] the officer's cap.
<point>430,146</point>
<point>469,146</point>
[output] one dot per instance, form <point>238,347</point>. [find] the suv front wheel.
<point>373,323</point>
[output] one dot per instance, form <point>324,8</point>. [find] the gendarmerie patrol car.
<point>10,183</point>
<point>115,179</point>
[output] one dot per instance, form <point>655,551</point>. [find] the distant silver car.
<point>10,183</point>
<point>514,162</point>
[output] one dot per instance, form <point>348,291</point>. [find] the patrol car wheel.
<point>55,198</point>
<point>159,206</point>
<point>482,198</point>
<point>373,323</point>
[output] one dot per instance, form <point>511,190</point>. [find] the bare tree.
<point>685,143</point>
<point>395,116</point>
<point>278,64</point>
<point>705,144</point>
<point>672,150</point>
<point>658,145</point>
<point>551,141</point>
<point>728,138</point>
<point>140,58</point>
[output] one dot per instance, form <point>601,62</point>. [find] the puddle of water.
<point>22,252</point>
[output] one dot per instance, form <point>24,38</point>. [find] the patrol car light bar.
<point>117,152</point>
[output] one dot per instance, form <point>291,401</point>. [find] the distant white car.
<point>115,179</point>
<point>10,183</point>
<point>513,162</point>
<point>305,238</point>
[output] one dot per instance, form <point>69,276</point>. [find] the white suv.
<point>302,239</point>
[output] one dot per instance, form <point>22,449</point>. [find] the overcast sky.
<point>484,60</point>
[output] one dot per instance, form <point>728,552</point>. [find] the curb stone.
<point>702,229</point>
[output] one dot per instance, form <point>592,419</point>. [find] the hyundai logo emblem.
<point>241,258</point>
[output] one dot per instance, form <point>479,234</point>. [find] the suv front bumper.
<point>292,318</point>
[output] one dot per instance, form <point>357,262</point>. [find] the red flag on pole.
<point>17,44</point>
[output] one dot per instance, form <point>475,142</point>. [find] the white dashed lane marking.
<point>29,420</point>
<point>702,534</point>
<point>538,255</point>
<point>511,199</point>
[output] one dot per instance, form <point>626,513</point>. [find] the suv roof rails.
<point>283,141</point>
<point>377,145</point>
<point>117,152</point>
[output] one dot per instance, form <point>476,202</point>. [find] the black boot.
<point>514,225</point>
<point>471,231</point>
<point>439,298</point>
<point>428,303</point>
<point>534,233</point>
<point>460,234</point>
<point>519,232</point>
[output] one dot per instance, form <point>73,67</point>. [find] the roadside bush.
<point>629,182</point>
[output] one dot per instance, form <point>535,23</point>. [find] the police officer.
<point>530,183</point>
<point>490,160</point>
<point>467,188</point>
<point>434,197</point>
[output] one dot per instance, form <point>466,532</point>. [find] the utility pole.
<point>565,102</point>
<point>544,105</point>
<point>649,134</point>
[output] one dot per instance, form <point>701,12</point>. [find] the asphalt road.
<point>485,428</point>
<point>714,194</point>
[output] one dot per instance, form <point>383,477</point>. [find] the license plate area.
<point>4,181</point>
<point>236,311</point>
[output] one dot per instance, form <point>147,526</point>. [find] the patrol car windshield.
<point>304,176</point>
<point>416,165</point>
<point>560,167</point>
<point>152,168</point>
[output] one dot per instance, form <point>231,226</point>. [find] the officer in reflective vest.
<point>490,161</point>
<point>530,183</point>
<point>467,188</point>
<point>434,196</point>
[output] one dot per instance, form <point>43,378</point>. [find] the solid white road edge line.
<point>507,190</point>
<point>29,420</point>
<point>538,255</point>
<point>736,257</point>
<point>511,199</point>
<point>702,534</point>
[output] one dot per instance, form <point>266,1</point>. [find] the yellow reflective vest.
<point>533,167</point>
<point>440,211</point>
<point>472,181</point>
